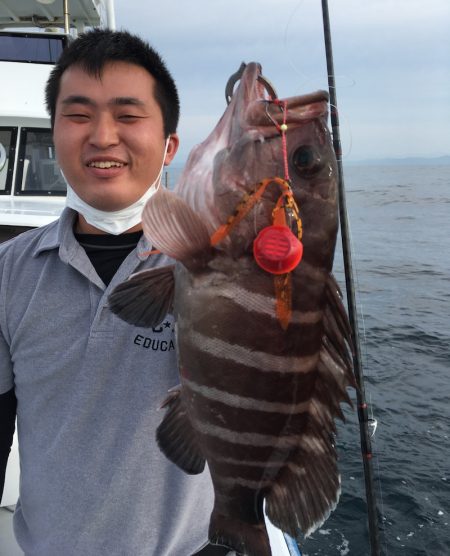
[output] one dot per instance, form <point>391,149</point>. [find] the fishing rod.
<point>363,418</point>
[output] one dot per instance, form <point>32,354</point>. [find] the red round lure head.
<point>277,250</point>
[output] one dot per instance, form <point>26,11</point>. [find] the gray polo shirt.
<point>88,385</point>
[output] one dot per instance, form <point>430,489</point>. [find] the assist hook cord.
<point>366,449</point>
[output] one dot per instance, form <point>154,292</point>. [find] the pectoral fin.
<point>145,298</point>
<point>176,230</point>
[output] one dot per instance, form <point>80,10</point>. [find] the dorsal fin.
<point>175,229</point>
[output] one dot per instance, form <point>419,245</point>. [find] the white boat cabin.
<point>33,34</point>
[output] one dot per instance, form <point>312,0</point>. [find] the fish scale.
<point>258,395</point>
<point>245,429</point>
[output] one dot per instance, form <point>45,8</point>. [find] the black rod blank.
<point>366,449</point>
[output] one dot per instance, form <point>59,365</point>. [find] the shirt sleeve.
<point>8,405</point>
<point>6,367</point>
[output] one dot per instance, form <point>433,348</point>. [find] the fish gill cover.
<point>265,358</point>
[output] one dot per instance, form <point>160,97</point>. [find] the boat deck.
<point>8,545</point>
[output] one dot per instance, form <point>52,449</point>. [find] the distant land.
<point>407,161</point>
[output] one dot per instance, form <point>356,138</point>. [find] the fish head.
<point>259,137</point>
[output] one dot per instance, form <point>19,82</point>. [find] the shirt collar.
<point>59,235</point>
<point>55,234</point>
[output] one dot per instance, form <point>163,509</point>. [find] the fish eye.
<point>307,161</point>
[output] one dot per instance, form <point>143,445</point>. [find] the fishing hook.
<point>267,103</point>
<point>372,424</point>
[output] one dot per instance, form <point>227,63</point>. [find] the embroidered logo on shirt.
<point>156,344</point>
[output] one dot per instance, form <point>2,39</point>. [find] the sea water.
<point>399,219</point>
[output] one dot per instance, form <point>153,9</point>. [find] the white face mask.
<point>118,221</point>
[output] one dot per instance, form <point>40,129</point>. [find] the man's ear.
<point>172,148</point>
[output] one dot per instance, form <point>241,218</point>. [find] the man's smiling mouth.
<point>105,164</point>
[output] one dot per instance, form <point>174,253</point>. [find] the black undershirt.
<point>107,252</point>
<point>8,405</point>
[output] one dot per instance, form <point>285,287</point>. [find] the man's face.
<point>109,134</point>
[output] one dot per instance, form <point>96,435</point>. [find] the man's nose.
<point>104,132</point>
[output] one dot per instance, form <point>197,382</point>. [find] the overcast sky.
<point>391,58</point>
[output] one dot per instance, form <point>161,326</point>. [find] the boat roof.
<point>35,13</point>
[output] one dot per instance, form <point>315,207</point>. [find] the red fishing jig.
<point>277,250</point>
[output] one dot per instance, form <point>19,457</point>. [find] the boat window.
<point>28,47</point>
<point>38,172</point>
<point>8,139</point>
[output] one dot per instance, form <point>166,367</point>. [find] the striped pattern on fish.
<point>260,360</point>
<point>244,402</point>
<point>255,427</point>
<point>256,401</point>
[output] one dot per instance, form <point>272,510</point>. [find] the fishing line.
<point>347,127</point>
<point>343,80</point>
<point>361,314</point>
<point>285,43</point>
<point>379,484</point>
<point>366,450</point>
<point>369,373</point>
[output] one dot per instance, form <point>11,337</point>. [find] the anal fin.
<point>177,438</point>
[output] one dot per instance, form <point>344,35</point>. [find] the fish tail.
<point>246,539</point>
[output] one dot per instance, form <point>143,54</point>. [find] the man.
<point>88,386</point>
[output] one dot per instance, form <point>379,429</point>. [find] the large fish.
<point>264,351</point>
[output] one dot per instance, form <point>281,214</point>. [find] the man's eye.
<point>128,117</point>
<point>76,116</point>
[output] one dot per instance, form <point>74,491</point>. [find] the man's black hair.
<point>98,47</point>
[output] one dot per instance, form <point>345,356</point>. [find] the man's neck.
<point>83,227</point>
